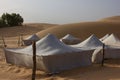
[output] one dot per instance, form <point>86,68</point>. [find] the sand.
<point>27,29</point>
<point>110,71</point>
<point>84,29</point>
<point>111,19</point>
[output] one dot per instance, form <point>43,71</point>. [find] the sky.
<point>61,11</point>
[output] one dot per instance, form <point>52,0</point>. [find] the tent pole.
<point>0,41</point>
<point>4,42</point>
<point>34,61</point>
<point>103,52</point>
<point>19,40</point>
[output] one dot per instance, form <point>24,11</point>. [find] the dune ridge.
<point>84,29</point>
<point>112,19</point>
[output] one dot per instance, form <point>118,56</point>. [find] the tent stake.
<point>34,61</point>
<point>103,52</point>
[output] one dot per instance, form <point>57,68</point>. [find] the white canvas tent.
<point>104,37</point>
<point>91,42</point>
<point>112,40</point>
<point>69,39</point>
<point>52,55</point>
<point>28,41</point>
<point>110,52</point>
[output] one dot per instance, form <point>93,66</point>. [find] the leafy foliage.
<point>2,23</point>
<point>11,19</point>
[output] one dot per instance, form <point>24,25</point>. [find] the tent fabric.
<point>28,41</point>
<point>91,42</point>
<point>110,52</point>
<point>49,45</point>
<point>52,55</point>
<point>51,63</point>
<point>104,37</point>
<point>69,39</point>
<point>112,40</point>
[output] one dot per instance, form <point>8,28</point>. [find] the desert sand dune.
<point>112,19</point>
<point>26,29</point>
<point>83,30</point>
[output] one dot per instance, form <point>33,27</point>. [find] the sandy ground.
<point>111,70</point>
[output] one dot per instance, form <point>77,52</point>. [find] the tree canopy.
<point>12,19</point>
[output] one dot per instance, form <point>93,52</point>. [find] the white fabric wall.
<point>23,59</point>
<point>110,53</point>
<point>51,63</point>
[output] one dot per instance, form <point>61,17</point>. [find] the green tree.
<point>2,23</point>
<point>12,19</point>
